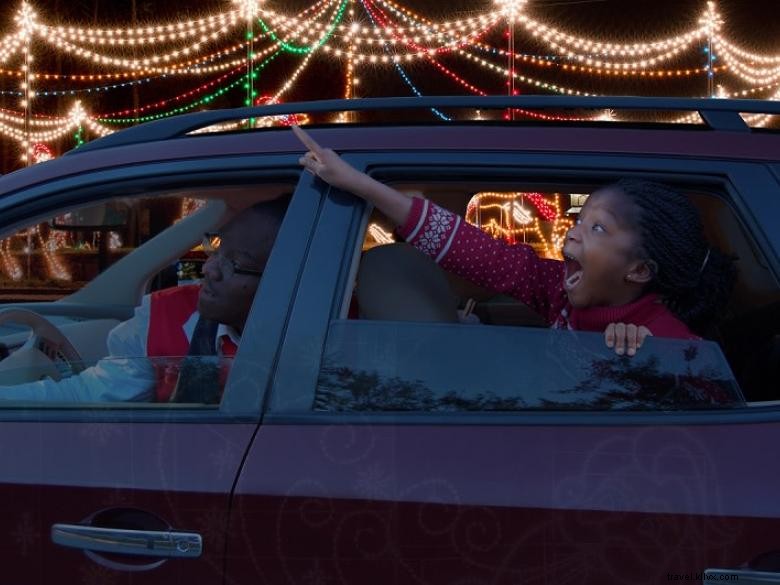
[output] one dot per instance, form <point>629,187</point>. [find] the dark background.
<point>752,24</point>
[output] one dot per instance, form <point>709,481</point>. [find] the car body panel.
<point>501,503</point>
<point>683,143</point>
<point>284,494</point>
<point>57,473</point>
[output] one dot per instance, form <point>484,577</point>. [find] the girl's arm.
<point>331,168</point>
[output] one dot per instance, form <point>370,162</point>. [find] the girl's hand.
<point>326,164</point>
<point>625,337</point>
<point>330,167</point>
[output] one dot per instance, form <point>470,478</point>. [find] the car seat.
<point>397,282</point>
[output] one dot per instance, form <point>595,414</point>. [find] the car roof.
<point>724,133</point>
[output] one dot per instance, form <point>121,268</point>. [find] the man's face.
<point>246,242</point>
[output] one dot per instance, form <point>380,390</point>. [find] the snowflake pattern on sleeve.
<point>471,253</point>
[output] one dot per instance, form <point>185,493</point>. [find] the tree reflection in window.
<point>611,383</point>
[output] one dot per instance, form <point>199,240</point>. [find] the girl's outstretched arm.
<point>330,167</point>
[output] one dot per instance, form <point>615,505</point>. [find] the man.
<point>198,320</point>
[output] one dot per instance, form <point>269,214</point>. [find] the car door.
<point>139,492</point>
<point>393,485</point>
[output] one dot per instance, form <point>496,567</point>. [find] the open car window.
<point>104,305</point>
<point>500,355</point>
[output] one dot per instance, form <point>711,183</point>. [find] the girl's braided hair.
<point>694,279</point>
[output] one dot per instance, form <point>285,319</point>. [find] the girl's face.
<point>600,253</point>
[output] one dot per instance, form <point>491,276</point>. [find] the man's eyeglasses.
<point>227,267</point>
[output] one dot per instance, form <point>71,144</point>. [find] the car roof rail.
<point>718,114</point>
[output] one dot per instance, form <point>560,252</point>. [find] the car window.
<point>133,321</point>
<point>386,351</point>
<point>51,259</point>
<point>394,366</point>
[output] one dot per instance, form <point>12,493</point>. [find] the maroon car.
<point>393,448</point>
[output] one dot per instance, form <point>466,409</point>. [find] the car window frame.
<point>337,241</point>
<point>242,400</point>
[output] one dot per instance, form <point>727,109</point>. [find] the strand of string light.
<point>374,35</point>
<point>591,65</point>
<point>315,46</point>
<point>200,102</point>
<point>179,97</point>
<point>722,43</point>
<point>486,25</point>
<point>160,34</point>
<point>306,48</point>
<point>503,71</point>
<point>353,33</point>
<point>438,113</point>
<point>583,47</point>
<point>745,71</point>
<point>472,88</point>
<point>133,63</point>
<point>174,69</point>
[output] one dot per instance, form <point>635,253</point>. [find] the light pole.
<point>249,9</point>
<point>711,22</point>
<point>510,9</point>
<point>25,21</point>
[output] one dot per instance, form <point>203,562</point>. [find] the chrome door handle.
<point>150,543</point>
<point>741,576</point>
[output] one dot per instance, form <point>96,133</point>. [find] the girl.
<point>635,264</point>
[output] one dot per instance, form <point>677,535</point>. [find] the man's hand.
<point>326,164</point>
<point>625,337</point>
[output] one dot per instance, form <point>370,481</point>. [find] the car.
<point>391,447</point>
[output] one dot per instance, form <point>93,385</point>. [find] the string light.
<point>379,235</point>
<point>394,36</point>
<point>511,213</point>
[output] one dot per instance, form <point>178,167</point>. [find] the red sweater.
<point>517,271</point>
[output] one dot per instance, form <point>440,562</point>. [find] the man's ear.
<point>642,271</point>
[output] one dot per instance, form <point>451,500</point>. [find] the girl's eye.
<point>578,221</point>
<point>597,227</point>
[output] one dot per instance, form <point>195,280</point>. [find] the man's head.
<point>229,279</point>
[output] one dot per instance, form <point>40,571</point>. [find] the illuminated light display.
<point>41,153</point>
<point>393,36</point>
<point>8,261</point>
<point>380,235</point>
<point>506,216</point>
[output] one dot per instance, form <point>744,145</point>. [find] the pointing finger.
<point>307,140</point>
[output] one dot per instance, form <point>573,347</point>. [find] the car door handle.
<point>742,576</point>
<point>149,543</point>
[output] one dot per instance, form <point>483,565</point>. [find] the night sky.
<point>751,24</point>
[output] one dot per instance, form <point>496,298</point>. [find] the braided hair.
<point>693,278</point>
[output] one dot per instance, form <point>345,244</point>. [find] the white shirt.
<point>126,375</point>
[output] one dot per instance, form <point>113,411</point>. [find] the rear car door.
<point>418,491</point>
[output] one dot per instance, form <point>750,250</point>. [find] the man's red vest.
<point>170,310</point>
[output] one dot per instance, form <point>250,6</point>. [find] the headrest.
<point>397,282</point>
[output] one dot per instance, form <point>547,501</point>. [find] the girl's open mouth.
<point>573,272</point>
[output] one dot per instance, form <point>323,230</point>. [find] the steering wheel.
<point>47,353</point>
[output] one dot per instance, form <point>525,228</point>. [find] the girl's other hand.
<point>325,163</point>
<point>625,337</point>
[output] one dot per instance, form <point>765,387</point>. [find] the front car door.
<point>116,492</point>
